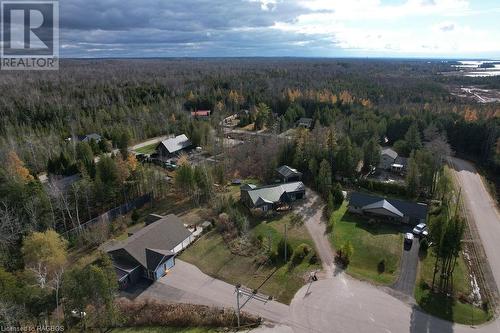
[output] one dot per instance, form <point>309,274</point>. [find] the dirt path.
<point>312,212</point>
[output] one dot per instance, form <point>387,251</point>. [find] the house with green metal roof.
<point>271,197</point>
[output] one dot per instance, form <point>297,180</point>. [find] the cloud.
<point>271,27</point>
<point>446,26</point>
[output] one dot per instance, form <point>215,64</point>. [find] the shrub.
<point>424,246</point>
<point>344,253</point>
<point>135,216</point>
<point>300,253</point>
<point>281,250</point>
<point>424,285</point>
<point>386,188</point>
<point>314,258</point>
<point>381,266</point>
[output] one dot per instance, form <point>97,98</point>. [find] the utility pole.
<point>251,294</point>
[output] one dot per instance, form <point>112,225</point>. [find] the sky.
<point>280,28</point>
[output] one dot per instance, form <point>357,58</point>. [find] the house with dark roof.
<point>288,174</point>
<point>173,146</point>
<point>89,137</point>
<point>386,208</point>
<point>305,122</point>
<point>391,161</point>
<point>271,197</point>
<point>150,252</point>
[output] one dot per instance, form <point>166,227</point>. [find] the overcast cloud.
<point>155,28</point>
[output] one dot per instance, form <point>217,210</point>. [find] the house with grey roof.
<point>173,146</point>
<point>89,137</point>
<point>288,174</point>
<point>387,209</point>
<point>150,252</point>
<point>305,122</point>
<point>271,197</point>
<point>391,161</point>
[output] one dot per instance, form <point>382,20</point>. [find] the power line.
<point>251,294</point>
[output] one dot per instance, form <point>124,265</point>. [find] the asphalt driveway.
<point>185,283</point>
<point>408,270</point>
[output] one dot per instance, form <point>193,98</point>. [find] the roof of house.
<point>273,193</point>
<point>389,152</point>
<point>401,160</point>
<point>202,113</point>
<point>407,208</point>
<point>89,137</point>
<point>385,205</point>
<point>287,171</point>
<point>175,144</point>
<point>305,122</point>
<point>152,243</point>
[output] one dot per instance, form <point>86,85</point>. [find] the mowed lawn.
<point>149,149</point>
<point>372,243</point>
<point>211,254</point>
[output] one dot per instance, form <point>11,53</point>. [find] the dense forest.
<point>356,107</point>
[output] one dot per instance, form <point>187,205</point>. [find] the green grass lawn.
<point>149,149</point>
<point>212,256</point>
<point>163,330</point>
<point>371,243</point>
<point>449,308</point>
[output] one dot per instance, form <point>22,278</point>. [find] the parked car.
<point>420,230</point>
<point>409,238</point>
<point>78,314</point>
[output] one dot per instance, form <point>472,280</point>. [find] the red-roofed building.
<point>201,114</point>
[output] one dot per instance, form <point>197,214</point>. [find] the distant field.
<point>211,254</point>
<point>149,149</point>
<point>371,243</point>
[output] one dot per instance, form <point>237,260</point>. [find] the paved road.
<point>408,270</point>
<point>185,283</point>
<point>482,210</point>
<point>337,302</point>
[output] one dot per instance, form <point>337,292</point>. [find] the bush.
<point>381,266</point>
<point>424,246</point>
<point>314,258</point>
<point>300,253</point>
<point>135,216</point>
<point>386,188</point>
<point>281,250</point>
<point>344,254</point>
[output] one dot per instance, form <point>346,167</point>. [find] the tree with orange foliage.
<point>470,115</point>
<point>16,169</point>
<point>131,162</point>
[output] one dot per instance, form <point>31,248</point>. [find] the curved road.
<point>342,304</point>
<point>338,303</point>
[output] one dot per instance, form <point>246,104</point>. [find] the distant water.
<point>471,68</point>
